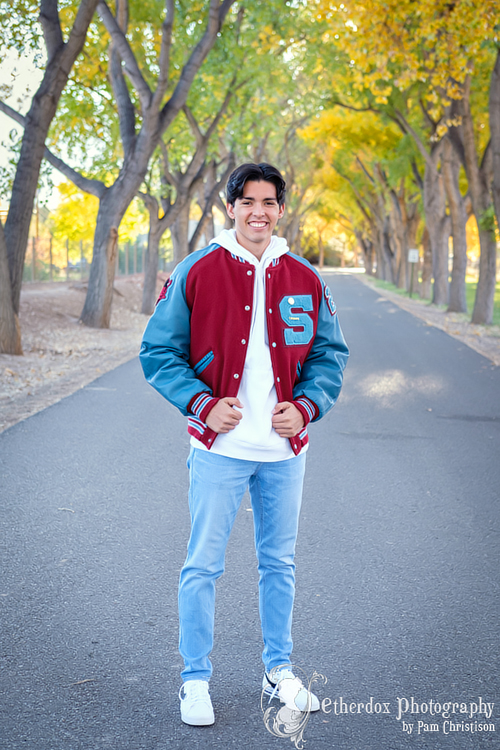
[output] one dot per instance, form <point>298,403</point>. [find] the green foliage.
<point>317,88</point>
<point>20,29</point>
<point>8,169</point>
<point>487,221</point>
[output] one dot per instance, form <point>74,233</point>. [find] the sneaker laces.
<point>196,690</point>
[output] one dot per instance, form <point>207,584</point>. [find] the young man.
<point>245,341</point>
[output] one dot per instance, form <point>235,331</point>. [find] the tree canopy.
<point>382,116</point>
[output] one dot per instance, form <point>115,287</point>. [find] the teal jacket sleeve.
<point>322,373</point>
<point>164,354</point>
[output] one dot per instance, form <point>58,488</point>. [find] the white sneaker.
<point>281,682</point>
<point>196,706</point>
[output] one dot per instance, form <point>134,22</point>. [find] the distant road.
<point>397,561</point>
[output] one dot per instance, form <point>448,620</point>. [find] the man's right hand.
<point>223,418</point>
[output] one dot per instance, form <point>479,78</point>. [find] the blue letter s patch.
<point>297,319</point>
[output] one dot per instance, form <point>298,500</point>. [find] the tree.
<point>183,184</point>
<point>198,159</point>
<point>458,212</point>
<point>382,200</point>
<point>430,54</point>
<point>61,56</point>
<point>479,177</point>
<point>139,141</point>
<point>143,116</point>
<point>494,110</point>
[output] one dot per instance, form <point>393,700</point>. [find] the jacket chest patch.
<point>300,326</point>
<point>329,301</point>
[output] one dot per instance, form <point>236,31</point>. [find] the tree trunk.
<point>458,212</point>
<point>399,242</point>
<point>478,178</point>
<point>180,233</point>
<point>228,222</point>
<point>61,57</point>
<point>387,252</point>
<point>209,228</point>
<point>378,242</point>
<point>151,270</point>
<point>438,225</point>
<point>426,287</point>
<point>10,332</point>
<point>206,193</point>
<point>291,230</point>
<point>321,252</point>
<point>157,228</point>
<point>494,107</point>
<point>96,311</point>
<point>367,249</point>
<point>369,256</point>
<point>111,251</point>
<point>485,293</point>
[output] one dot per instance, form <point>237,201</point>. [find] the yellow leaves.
<point>134,222</point>
<point>441,130</point>
<point>268,39</point>
<point>75,217</point>
<point>348,131</point>
<point>432,41</point>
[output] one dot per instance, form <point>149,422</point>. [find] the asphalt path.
<point>397,560</point>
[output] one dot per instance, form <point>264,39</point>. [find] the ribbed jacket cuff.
<point>202,404</point>
<point>307,408</point>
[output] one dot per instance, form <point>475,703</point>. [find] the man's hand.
<point>287,419</point>
<point>223,418</point>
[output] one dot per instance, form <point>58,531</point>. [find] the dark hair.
<point>256,173</point>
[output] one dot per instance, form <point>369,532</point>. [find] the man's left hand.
<point>287,419</point>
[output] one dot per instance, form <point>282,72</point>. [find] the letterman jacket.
<point>194,346</point>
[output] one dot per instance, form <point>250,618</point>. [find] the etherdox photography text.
<point>421,716</point>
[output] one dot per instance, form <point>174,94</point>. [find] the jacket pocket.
<point>204,362</point>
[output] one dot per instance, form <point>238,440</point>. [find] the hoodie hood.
<point>227,239</point>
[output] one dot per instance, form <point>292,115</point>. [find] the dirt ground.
<point>61,355</point>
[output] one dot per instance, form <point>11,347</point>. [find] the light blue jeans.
<point>217,486</point>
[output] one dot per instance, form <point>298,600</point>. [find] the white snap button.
<point>291,300</point>
<point>278,380</point>
<point>247,307</point>
<point>268,275</point>
<point>249,273</point>
<point>270,311</point>
<point>243,341</point>
<point>236,375</point>
<point>274,343</point>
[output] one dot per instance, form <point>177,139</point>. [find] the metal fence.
<point>71,261</point>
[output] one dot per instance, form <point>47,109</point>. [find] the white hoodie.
<point>254,438</point>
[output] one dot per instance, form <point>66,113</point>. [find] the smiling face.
<point>255,215</point>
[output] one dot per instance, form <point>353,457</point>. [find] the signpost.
<point>412,258</point>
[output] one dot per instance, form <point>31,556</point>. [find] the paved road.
<point>398,558</point>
